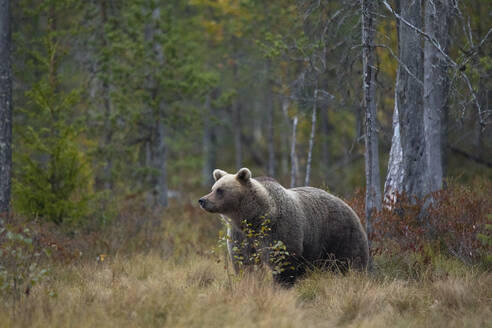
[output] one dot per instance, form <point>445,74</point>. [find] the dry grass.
<point>151,291</point>
<point>180,284</point>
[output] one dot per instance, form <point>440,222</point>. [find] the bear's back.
<point>333,227</point>
<point>285,204</point>
<point>324,222</point>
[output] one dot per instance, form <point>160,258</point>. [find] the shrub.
<point>486,240</point>
<point>20,265</point>
<point>51,177</point>
<point>453,222</point>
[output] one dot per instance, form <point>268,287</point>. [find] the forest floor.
<point>149,291</point>
<point>171,278</point>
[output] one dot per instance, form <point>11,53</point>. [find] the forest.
<point>115,113</point>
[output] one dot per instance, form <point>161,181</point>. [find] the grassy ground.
<point>159,272</point>
<point>150,291</point>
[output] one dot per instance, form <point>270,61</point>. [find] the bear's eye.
<point>220,191</point>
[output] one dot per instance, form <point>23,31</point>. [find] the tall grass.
<point>147,290</point>
<point>157,269</point>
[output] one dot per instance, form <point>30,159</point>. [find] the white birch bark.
<point>284,161</point>
<point>394,176</point>
<point>311,138</point>
<point>410,111</point>
<point>293,155</point>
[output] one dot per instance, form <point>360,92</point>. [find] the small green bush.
<point>52,175</point>
<point>486,240</point>
<point>51,181</point>
<point>20,266</point>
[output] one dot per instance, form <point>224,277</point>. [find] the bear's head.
<point>228,193</point>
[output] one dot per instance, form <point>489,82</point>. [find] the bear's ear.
<point>218,174</point>
<point>243,175</point>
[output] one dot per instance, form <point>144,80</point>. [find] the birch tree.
<point>311,138</point>
<point>5,106</point>
<point>394,176</point>
<point>237,113</point>
<point>209,144</point>
<point>285,136</point>
<point>373,186</point>
<point>325,142</point>
<point>409,106</point>
<point>293,155</point>
<point>271,134</point>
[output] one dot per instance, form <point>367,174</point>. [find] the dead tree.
<point>158,149</point>
<point>293,155</point>
<point>373,185</point>
<point>209,144</point>
<point>436,87</point>
<point>5,106</point>
<point>409,100</point>
<point>271,133</point>
<point>311,138</point>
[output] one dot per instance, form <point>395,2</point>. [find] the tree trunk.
<point>373,185</point>
<point>53,65</point>
<point>237,121</point>
<point>409,94</point>
<point>5,106</point>
<point>311,138</point>
<point>285,136</point>
<point>209,146</point>
<point>157,108</point>
<point>238,142</point>
<point>394,176</point>
<point>325,143</point>
<point>160,164</point>
<point>160,155</point>
<point>270,135</point>
<point>435,89</point>
<point>149,177</point>
<point>293,155</point>
<point>108,129</point>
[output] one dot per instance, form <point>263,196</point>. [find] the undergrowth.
<point>156,268</point>
<point>449,222</point>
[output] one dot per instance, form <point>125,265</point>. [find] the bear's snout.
<point>201,201</point>
<point>207,204</point>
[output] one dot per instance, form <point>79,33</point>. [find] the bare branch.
<point>405,67</point>
<point>436,44</point>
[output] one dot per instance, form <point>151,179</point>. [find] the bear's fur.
<point>317,229</point>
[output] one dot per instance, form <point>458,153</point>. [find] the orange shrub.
<point>451,218</point>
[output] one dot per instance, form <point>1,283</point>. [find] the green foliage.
<point>51,174</point>
<point>486,240</point>
<point>257,238</point>
<point>103,76</point>
<point>20,265</point>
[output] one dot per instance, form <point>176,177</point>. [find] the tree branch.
<point>400,62</point>
<point>436,44</point>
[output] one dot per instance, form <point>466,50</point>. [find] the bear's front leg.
<point>241,252</point>
<point>288,271</point>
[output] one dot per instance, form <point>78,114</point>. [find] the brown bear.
<point>290,230</point>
